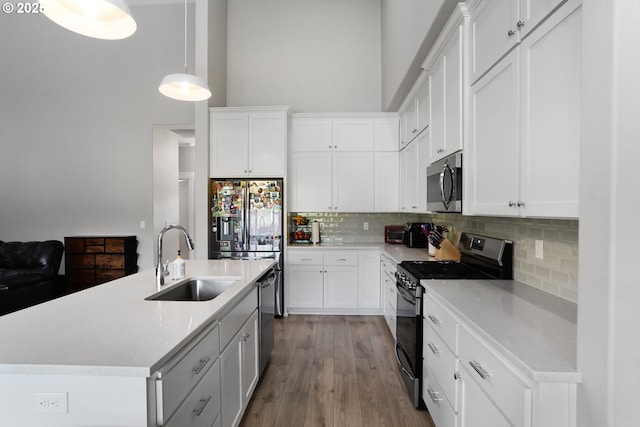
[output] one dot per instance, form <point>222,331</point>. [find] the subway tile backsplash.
<point>556,273</point>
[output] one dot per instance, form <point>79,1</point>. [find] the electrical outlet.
<point>366,226</point>
<point>540,249</point>
<point>51,402</point>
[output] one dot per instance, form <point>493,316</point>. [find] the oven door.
<point>409,340</point>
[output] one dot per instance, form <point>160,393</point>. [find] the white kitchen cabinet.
<point>478,409</point>
<point>332,282</point>
<point>386,183</point>
<point>388,289</point>
<point>413,174</point>
<point>416,110</point>
<point>339,175</point>
<point>448,80</point>
<point>522,157</point>
<point>499,25</point>
<point>246,143</point>
<point>239,371</point>
<point>369,294</point>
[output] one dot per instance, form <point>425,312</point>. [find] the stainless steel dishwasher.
<point>266,313</point>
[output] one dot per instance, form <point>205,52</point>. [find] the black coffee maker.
<point>415,235</point>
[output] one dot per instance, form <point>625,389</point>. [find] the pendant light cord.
<point>185,36</point>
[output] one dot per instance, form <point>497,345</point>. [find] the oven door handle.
<point>405,295</point>
<point>402,368</point>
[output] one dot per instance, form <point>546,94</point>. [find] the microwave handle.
<point>446,201</point>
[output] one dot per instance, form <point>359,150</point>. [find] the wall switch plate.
<point>51,402</point>
<point>366,226</point>
<point>539,249</point>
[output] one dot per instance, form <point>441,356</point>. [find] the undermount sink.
<point>194,290</point>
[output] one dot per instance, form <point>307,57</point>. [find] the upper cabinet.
<point>415,112</point>
<point>248,142</point>
<point>334,167</point>
<point>448,79</point>
<point>522,158</point>
<point>498,25</point>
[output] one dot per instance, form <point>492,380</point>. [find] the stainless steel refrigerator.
<point>247,223</point>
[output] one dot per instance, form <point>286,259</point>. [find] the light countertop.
<point>111,329</point>
<point>397,253</point>
<point>536,331</point>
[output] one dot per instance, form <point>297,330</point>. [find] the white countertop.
<point>111,329</point>
<point>398,253</point>
<point>536,331</point>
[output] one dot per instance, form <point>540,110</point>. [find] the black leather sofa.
<point>29,273</point>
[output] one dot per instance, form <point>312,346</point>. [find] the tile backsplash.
<point>556,273</point>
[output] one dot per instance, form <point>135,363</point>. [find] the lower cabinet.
<point>388,289</point>
<point>345,282</point>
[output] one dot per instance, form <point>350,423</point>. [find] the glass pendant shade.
<point>184,87</point>
<point>101,19</point>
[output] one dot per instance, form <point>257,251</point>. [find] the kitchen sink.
<point>194,290</point>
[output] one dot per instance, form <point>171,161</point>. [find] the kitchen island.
<point>99,354</point>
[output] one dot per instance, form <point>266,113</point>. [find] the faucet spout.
<point>161,269</point>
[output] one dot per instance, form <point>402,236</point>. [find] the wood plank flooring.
<point>333,371</point>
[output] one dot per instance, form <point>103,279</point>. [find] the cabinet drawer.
<point>442,414</point>
<point>80,261</point>
<point>114,246</point>
<point>202,405</point>
<point>341,258</point>
<point>442,363</point>
<point>234,320</point>
<point>109,261</point>
<point>311,258</point>
<point>442,322</point>
<point>501,384</point>
<point>180,374</point>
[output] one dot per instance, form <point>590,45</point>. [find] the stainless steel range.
<point>481,258</point>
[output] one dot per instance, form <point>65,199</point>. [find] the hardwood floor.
<point>333,371</point>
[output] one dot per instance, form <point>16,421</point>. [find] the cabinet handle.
<point>511,33</point>
<point>203,363</point>
<point>456,375</point>
<point>414,131</point>
<point>341,259</point>
<point>440,150</point>
<point>511,204</point>
<point>520,24</point>
<point>434,396</point>
<point>245,171</point>
<point>520,204</point>
<point>434,319</point>
<point>433,348</point>
<point>199,410</point>
<point>306,259</point>
<point>479,369</point>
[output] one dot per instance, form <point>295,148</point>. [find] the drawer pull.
<point>479,369</point>
<point>199,410</point>
<point>433,348</point>
<point>203,363</point>
<point>306,259</point>
<point>341,259</point>
<point>434,319</point>
<point>434,396</point>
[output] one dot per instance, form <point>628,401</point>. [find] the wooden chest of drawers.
<point>92,260</point>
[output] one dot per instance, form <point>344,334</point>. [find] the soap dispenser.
<point>179,268</point>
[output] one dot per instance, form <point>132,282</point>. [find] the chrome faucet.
<point>161,269</point>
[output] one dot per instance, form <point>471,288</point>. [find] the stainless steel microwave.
<point>444,185</point>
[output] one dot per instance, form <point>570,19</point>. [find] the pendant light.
<point>101,19</point>
<point>185,86</point>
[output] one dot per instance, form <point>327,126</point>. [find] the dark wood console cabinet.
<point>92,260</point>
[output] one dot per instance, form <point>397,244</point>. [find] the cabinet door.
<point>386,134</point>
<point>436,76</point>
<point>423,143</point>
<point>231,381</point>
<point>353,134</point>
<point>311,186</point>
<point>453,92</point>
<point>532,12</point>
<point>493,33</point>
<point>341,286</point>
<point>267,144</point>
<point>476,410</point>
<point>311,134</point>
<point>550,133</point>
<point>250,357</point>
<point>412,120</point>
<point>404,161</point>
<point>411,173</point>
<point>305,286</point>
<point>404,135</point>
<point>369,295</point>
<point>386,183</point>
<point>492,161</point>
<point>229,145</point>
<point>423,106</point>
<point>353,177</point>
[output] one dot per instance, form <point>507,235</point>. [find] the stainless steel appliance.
<point>247,223</point>
<point>444,185</point>
<point>481,258</point>
<point>266,315</point>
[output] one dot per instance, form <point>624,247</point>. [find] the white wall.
<point>609,297</point>
<point>316,56</point>
<point>76,118</point>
